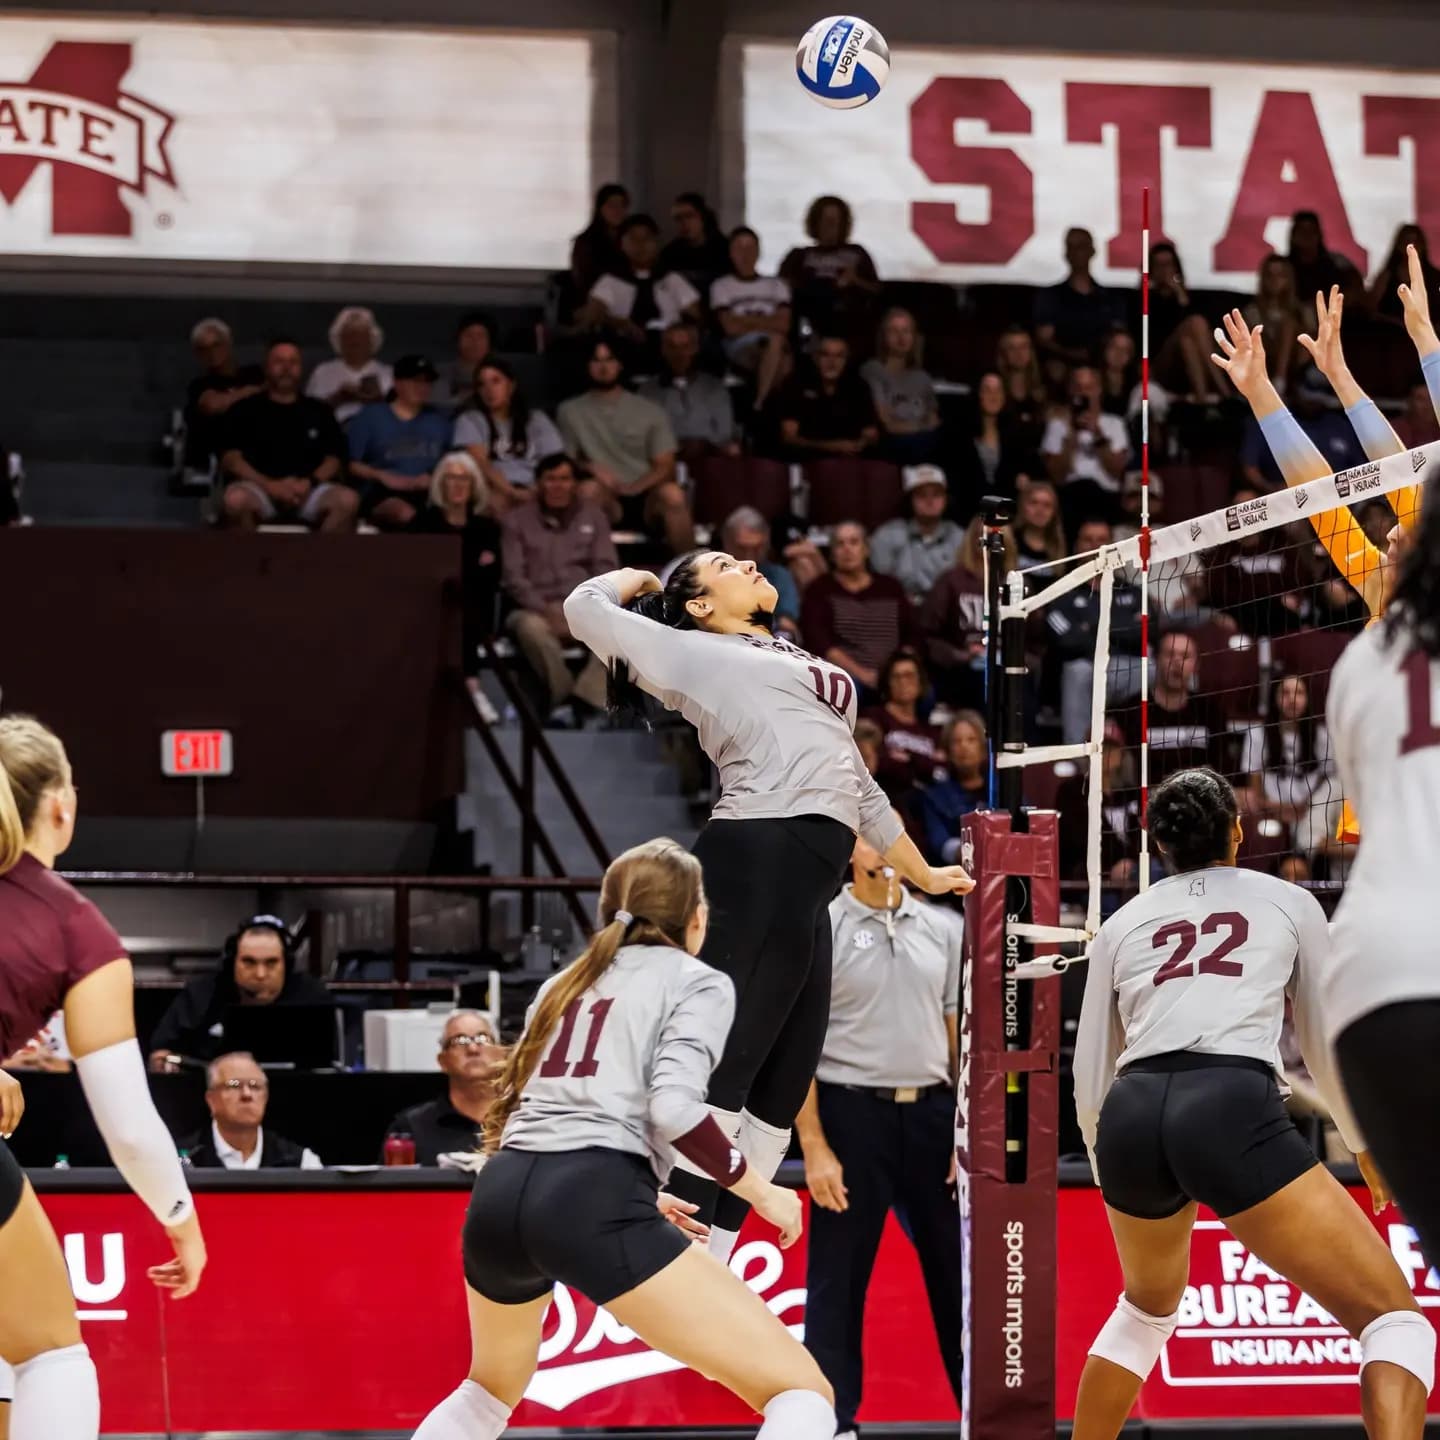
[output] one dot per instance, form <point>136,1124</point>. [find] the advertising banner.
<point>971,164</point>
<point>143,139</point>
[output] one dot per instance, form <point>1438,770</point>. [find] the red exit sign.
<point>197,752</point>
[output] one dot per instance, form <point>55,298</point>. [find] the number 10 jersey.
<point>628,1066</point>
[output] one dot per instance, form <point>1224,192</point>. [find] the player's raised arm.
<point>1372,429</point>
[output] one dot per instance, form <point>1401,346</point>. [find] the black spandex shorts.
<point>1182,1127</point>
<point>12,1182</point>
<point>586,1218</point>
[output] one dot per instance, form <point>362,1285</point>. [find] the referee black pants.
<point>1390,1063</point>
<point>894,1157</point>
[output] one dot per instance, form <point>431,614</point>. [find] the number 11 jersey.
<point>1203,962</point>
<point>628,1066</point>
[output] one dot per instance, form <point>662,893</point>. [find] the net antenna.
<point>1093,916</point>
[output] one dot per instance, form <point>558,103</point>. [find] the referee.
<point>878,1126</point>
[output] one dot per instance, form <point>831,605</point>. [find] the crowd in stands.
<point>839,431</point>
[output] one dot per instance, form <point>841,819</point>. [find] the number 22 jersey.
<point>776,722</point>
<point>1203,962</point>
<point>628,1066</point>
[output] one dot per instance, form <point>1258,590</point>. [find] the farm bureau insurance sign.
<point>212,141</point>
<point>971,164</point>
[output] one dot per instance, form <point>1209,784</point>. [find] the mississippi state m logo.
<point>97,139</point>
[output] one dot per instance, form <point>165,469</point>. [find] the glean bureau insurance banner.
<point>137,139</point>
<point>971,164</point>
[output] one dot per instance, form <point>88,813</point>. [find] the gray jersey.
<point>629,1064</point>
<point>1204,962</point>
<point>777,722</point>
<point>896,978</point>
<point>1384,712</point>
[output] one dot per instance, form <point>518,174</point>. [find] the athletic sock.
<point>469,1413</point>
<point>57,1397</point>
<point>798,1415</point>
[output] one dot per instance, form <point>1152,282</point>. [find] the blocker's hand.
<point>1242,354</point>
<point>1325,348</point>
<point>1417,306</point>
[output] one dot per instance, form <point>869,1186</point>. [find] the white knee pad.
<point>1404,1338</point>
<point>764,1146</point>
<point>729,1122</point>
<point>1132,1339</point>
<point>7,1382</point>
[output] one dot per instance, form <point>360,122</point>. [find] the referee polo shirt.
<point>896,977</point>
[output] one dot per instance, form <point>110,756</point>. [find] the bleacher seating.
<point>851,489</point>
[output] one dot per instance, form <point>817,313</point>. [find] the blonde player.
<point>1383,996</point>
<point>604,1090</point>
<point>1177,1064</point>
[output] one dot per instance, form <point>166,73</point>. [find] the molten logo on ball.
<point>843,62</point>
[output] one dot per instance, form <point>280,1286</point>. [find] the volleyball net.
<point>1206,642</point>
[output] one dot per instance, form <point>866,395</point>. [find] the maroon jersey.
<point>51,936</point>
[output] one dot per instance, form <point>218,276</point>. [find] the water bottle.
<point>399,1149</point>
<point>62,1162</point>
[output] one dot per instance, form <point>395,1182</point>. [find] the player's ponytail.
<point>1415,603</point>
<point>648,897</point>
<point>1192,818</point>
<point>32,761</point>
<point>623,696</point>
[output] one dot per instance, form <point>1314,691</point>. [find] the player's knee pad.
<point>7,1382</point>
<point>764,1146</point>
<point>1132,1339</point>
<point>1404,1338</point>
<point>729,1121</point>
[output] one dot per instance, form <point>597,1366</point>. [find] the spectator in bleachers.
<point>506,437</point>
<point>904,394</point>
<point>698,250</point>
<point>396,444</point>
<point>1287,768</point>
<point>256,968</point>
<point>952,621</point>
<point>854,618</point>
<point>870,742</point>
<point>282,454</point>
<point>995,458</point>
<point>696,402</point>
<point>220,384</point>
<point>356,376</point>
<point>1036,530</point>
<point>237,1095</point>
<point>1086,451</point>
<point>1119,815</point>
<point>1185,728</point>
<point>919,549</point>
<point>1070,319</point>
<point>1317,267</point>
<point>458,504</point>
<point>746,535</point>
<point>910,745</point>
<point>825,408</point>
<point>1277,308</point>
<point>1119,372</point>
<point>1070,627</point>
<point>628,447</point>
<point>1418,425</point>
<point>457,386</point>
<point>832,280</point>
<point>548,548</point>
<point>470,1058</point>
<point>633,302</point>
<point>943,804</point>
<point>595,251</point>
<point>1027,401</point>
<point>1180,338</point>
<point>1382,294</point>
<point>753,313</point>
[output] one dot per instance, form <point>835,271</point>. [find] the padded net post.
<point>1006,1133</point>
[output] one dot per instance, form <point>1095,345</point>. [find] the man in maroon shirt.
<point>853,618</point>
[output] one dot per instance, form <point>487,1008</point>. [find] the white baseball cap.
<point>915,476</point>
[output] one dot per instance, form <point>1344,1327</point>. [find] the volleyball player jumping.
<point>1176,1065</point>
<point>56,949</point>
<point>1382,999</point>
<point>605,1088</point>
<point>778,724</point>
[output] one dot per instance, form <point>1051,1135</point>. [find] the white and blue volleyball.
<point>843,62</point>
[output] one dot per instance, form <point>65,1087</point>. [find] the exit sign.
<point>197,752</point>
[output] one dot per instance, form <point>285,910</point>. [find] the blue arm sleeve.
<point>1430,364</point>
<point>1294,451</point>
<point>1373,430</point>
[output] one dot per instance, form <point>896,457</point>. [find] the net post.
<point>1007,1145</point>
<point>1144,867</point>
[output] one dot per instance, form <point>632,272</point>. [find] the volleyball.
<point>843,62</point>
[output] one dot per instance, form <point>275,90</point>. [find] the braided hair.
<point>1192,817</point>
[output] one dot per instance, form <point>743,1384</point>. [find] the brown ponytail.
<point>32,761</point>
<point>647,898</point>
